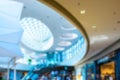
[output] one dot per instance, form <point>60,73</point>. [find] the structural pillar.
<point>8,72</point>
<point>14,68</point>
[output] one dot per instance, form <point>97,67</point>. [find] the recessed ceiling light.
<point>82,12</point>
<point>59,48</point>
<point>118,22</point>
<point>99,38</point>
<point>93,27</point>
<point>68,28</point>
<point>64,43</point>
<point>78,3</point>
<point>69,36</point>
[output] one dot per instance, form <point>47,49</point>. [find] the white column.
<point>15,68</point>
<point>14,72</point>
<point>8,72</point>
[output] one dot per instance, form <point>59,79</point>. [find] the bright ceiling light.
<point>59,48</point>
<point>36,34</point>
<point>82,12</point>
<point>99,38</point>
<point>68,28</point>
<point>64,43</point>
<point>93,27</point>
<point>69,36</point>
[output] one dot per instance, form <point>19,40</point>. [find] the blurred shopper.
<point>1,76</point>
<point>110,78</point>
<point>106,76</point>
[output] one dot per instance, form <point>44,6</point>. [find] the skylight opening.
<point>37,36</point>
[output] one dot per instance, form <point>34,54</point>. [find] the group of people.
<point>108,77</point>
<point>67,77</point>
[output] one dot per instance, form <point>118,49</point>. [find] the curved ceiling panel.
<point>100,19</point>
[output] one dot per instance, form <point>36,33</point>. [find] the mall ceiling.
<point>100,19</point>
<point>64,33</point>
<point>36,19</point>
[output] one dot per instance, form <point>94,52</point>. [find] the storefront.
<point>108,68</point>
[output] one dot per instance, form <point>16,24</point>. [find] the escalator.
<point>32,75</point>
<point>28,75</point>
